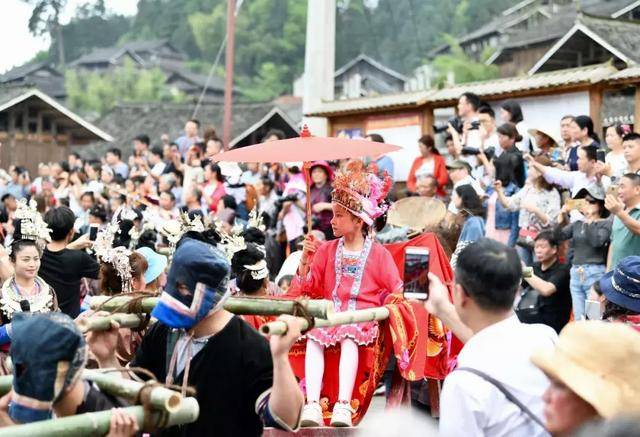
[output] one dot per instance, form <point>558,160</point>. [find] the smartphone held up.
<point>416,271</point>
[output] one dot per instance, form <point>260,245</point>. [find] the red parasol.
<point>308,149</point>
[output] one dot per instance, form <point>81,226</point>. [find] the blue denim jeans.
<point>582,278</point>
<point>526,255</point>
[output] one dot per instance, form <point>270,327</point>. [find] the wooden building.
<point>35,128</point>
<point>601,91</point>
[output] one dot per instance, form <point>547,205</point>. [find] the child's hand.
<point>309,248</point>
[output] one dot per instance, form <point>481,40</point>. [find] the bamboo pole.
<point>91,424</point>
<point>160,398</point>
<point>103,323</point>
<point>236,305</point>
<point>343,318</point>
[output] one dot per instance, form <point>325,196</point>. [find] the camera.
<point>455,122</point>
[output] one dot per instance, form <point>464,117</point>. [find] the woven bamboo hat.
<point>417,213</point>
<point>600,362</point>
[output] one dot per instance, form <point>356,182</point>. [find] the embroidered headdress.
<point>32,227</point>
<point>361,192</point>
<point>118,257</point>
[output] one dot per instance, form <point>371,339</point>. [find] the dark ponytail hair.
<point>18,245</point>
<point>514,109</point>
<point>585,122</point>
<point>246,257</point>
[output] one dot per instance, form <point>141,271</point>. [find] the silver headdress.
<point>258,270</point>
<point>231,242</point>
<point>255,220</point>
<point>136,233</point>
<point>32,226</point>
<point>173,230</point>
<point>118,257</point>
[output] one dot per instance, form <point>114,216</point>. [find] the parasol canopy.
<point>306,148</point>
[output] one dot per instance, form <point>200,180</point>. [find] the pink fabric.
<point>501,235</point>
<point>380,279</point>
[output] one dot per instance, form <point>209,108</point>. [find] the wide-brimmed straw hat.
<point>417,213</point>
<point>600,362</point>
<point>547,133</point>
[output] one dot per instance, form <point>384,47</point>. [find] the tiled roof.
<point>490,88</point>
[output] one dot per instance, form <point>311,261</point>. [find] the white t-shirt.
<point>471,406</point>
<point>426,169</point>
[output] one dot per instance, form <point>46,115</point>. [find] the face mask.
<point>197,284</point>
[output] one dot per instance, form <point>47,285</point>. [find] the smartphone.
<point>600,155</point>
<point>93,232</point>
<point>613,190</point>
<point>576,204</point>
<point>593,309</point>
<point>416,269</point>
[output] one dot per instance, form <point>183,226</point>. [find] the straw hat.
<point>416,213</point>
<point>600,362</point>
<point>553,137</point>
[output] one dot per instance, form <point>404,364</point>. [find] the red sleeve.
<point>389,277</point>
<point>411,179</point>
<point>441,171</point>
<point>311,285</point>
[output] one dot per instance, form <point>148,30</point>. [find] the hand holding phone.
<point>93,232</point>
<point>416,270</point>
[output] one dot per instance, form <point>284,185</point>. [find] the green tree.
<point>95,94</point>
<point>463,68</point>
<point>45,18</point>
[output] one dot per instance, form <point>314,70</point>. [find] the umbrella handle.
<point>307,169</point>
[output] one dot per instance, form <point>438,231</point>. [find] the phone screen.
<point>601,155</point>
<point>93,233</point>
<point>416,268</point>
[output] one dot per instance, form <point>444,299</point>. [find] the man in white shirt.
<point>460,174</point>
<point>497,344</point>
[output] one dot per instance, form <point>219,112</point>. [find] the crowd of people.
<point>542,235</point>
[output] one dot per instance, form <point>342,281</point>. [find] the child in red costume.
<point>354,272</point>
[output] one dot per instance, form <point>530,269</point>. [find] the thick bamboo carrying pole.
<point>103,323</point>
<point>160,398</point>
<point>236,305</point>
<point>343,318</point>
<point>92,424</point>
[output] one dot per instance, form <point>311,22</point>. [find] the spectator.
<point>470,216</point>
<point>167,203</point>
<point>213,189</point>
<point>113,158</point>
<point>453,153</point>
<point>615,159</point>
<point>621,290</point>
<point>383,162</point>
<point>427,186</point>
<point>9,205</point>
<point>82,216</point>
<point>192,200</point>
<point>252,174</point>
<point>64,263</point>
<point>18,187</point>
<point>582,134</point>
<point>321,177</point>
<point>574,180</point>
<point>550,281</point>
<point>468,105</point>
<point>511,112</point>
<point>488,132</point>
<point>547,145</point>
<point>267,198</point>
<point>429,163</point>
<point>460,174</point>
<point>74,161</point>
<point>497,350</point>
<point>274,135</point>
<point>538,202</point>
<point>565,136</point>
<point>190,137</point>
<point>590,240</point>
<point>631,145</point>
<point>156,165</point>
<point>625,233</point>
<point>593,382</point>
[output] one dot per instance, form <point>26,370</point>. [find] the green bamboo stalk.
<point>236,305</point>
<point>342,318</point>
<point>103,323</point>
<point>91,424</point>
<point>160,398</point>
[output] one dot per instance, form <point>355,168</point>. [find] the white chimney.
<point>319,61</point>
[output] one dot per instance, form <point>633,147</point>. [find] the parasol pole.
<point>306,167</point>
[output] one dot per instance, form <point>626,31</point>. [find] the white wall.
<point>545,112</point>
<point>407,138</point>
